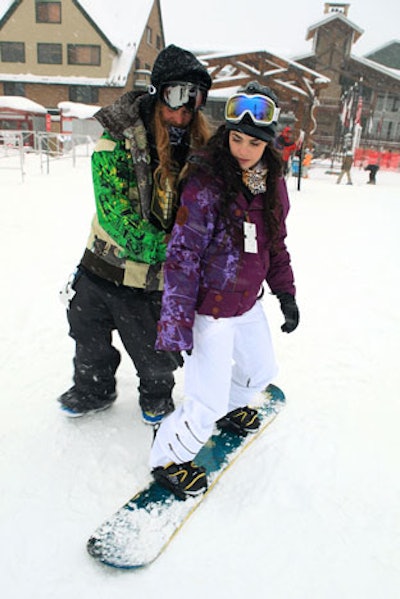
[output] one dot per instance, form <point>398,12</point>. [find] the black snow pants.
<point>97,309</point>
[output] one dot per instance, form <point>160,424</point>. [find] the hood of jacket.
<point>124,112</point>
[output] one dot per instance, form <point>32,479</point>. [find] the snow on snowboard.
<point>142,528</point>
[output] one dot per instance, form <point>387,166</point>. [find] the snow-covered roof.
<point>383,47</point>
<point>317,76</point>
<point>275,67</point>
<point>225,73</point>
<point>77,110</point>
<point>224,93</point>
<point>4,6</point>
<point>21,104</point>
<point>333,17</point>
<point>57,80</point>
<point>380,68</point>
<point>121,22</point>
<point>368,62</point>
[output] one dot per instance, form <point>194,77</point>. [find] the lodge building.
<point>78,51</point>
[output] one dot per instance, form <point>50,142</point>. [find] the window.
<point>348,42</point>
<point>158,42</point>
<point>84,94</point>
<point>83,54</point>
<point>48,12</point>
<point>149,35</point>
<point>381,102</point>
<point>49,53</point>
<point>12,51</point>
<point>13,89</point>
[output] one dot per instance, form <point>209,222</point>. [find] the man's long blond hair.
<point>199,131</point>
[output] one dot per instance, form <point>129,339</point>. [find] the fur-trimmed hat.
<point>175,64</point>
<point>247,125</point>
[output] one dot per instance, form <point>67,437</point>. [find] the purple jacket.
<point>206,272</point>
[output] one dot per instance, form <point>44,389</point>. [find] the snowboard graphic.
<point>142,528</point>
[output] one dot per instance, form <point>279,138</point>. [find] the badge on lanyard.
<point>250,238</point>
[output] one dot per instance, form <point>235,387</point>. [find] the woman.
<point>228,238</point>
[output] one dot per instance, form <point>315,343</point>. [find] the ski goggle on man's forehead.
<point>261,109</point>
<point>177,94</point>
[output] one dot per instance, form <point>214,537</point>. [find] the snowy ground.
<point>311,512</point>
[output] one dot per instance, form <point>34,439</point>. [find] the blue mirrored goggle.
<point>261,109</point>
<point>178,94</point>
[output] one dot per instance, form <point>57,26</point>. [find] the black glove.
<point>290,311</point>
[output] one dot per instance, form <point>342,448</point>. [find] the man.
<point>347,163</point>
<point>286,145</point>
<point>118,284</point>
<point>373,169</point>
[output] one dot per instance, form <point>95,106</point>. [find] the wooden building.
<point>78,50</point>
<point>297,87</point>
<point>316,89</point>
<point>85,51</point>
<point>367,87</point>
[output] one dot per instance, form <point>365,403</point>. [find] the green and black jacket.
<point>124,246</point>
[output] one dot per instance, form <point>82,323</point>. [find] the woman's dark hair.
<point>217,160</point>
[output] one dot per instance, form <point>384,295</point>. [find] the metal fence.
<point>47,146</point>
<point>54,146</point>
<point>12,144</point>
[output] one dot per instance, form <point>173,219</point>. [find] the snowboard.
<point>142,528</point>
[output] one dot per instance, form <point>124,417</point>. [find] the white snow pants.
<point>232,360</point>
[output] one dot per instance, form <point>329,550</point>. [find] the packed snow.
<point>20,103</point>
<point>311,511</point>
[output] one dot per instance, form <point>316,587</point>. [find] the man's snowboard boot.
<point>158,410</point>
<point>75,404</point>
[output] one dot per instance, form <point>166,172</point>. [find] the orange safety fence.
<point>385,160</point>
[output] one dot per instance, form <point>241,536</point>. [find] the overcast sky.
<point>278,26</point>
